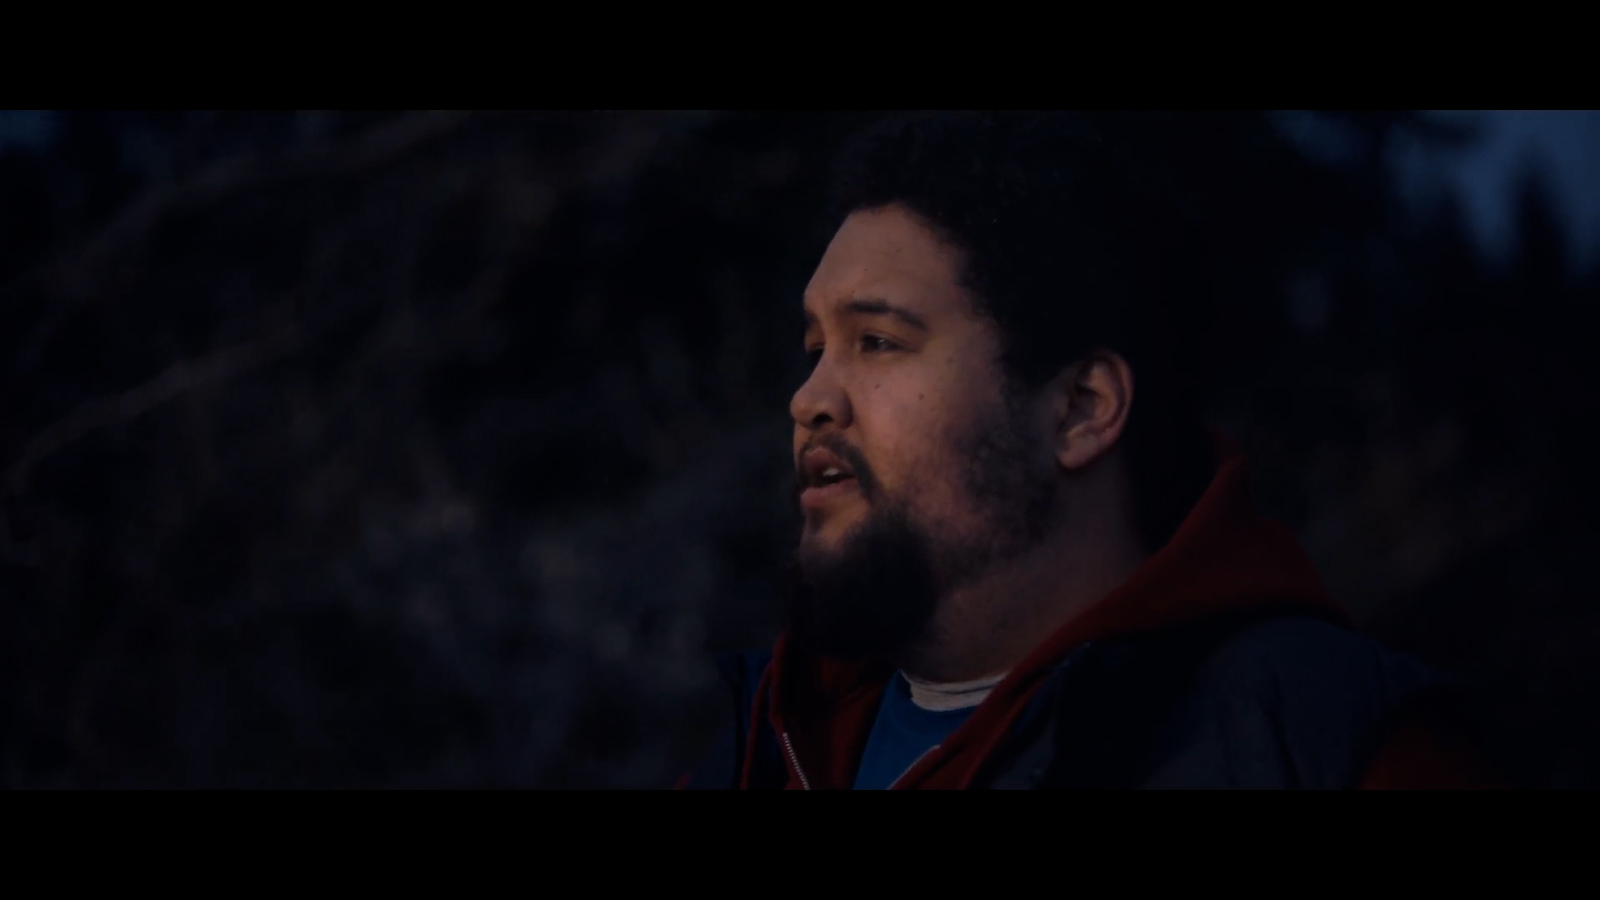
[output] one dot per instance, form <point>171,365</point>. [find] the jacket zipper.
<point>805,783</point>
<point>788,748</point>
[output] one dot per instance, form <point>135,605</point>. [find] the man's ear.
<point>1092,398</point>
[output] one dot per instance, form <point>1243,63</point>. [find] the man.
<point>1023,563</point>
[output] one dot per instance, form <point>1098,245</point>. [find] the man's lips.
<point>819,496</point>
<point>825,477</point>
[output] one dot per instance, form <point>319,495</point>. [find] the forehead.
<point>887,254</point>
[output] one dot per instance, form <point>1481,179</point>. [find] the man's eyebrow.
<point>868,306</point>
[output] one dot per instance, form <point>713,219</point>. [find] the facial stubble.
<point>877,594</point>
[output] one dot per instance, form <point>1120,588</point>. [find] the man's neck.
<point>986,626</point>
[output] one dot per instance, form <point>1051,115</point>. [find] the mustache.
<point>842,449</point>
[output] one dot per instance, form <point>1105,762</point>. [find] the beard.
<point>878,594</point>
<point>873,597</point>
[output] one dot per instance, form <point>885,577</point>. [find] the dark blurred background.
<point>442,449</point>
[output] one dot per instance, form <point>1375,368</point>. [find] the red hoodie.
<point>1224,558</point>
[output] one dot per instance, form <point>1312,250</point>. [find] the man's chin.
<point>828,538</point>
<point>861,589</point>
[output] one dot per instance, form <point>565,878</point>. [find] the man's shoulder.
<point>740,668</point>
<point>1297,700</point>
<point>741,673</point>
<point>1297,660</point>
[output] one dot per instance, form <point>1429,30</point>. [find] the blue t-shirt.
<point>902,733</point>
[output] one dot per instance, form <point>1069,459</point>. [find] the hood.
<point>1223,559</point>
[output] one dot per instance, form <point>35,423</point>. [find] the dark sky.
<point>1565,145</point>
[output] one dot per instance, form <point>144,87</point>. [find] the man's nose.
<point>821,400</point>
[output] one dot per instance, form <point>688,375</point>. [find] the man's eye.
<point>813,356</point>
<point>871,343</point>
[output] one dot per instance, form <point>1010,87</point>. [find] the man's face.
<point>914,470</point>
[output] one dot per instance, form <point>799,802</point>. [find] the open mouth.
<point>825,476</point>
<point>832,475</point>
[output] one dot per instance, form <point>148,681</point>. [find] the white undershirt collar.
<point>942,697</point>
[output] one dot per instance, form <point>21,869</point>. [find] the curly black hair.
<point>1069,247</point>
